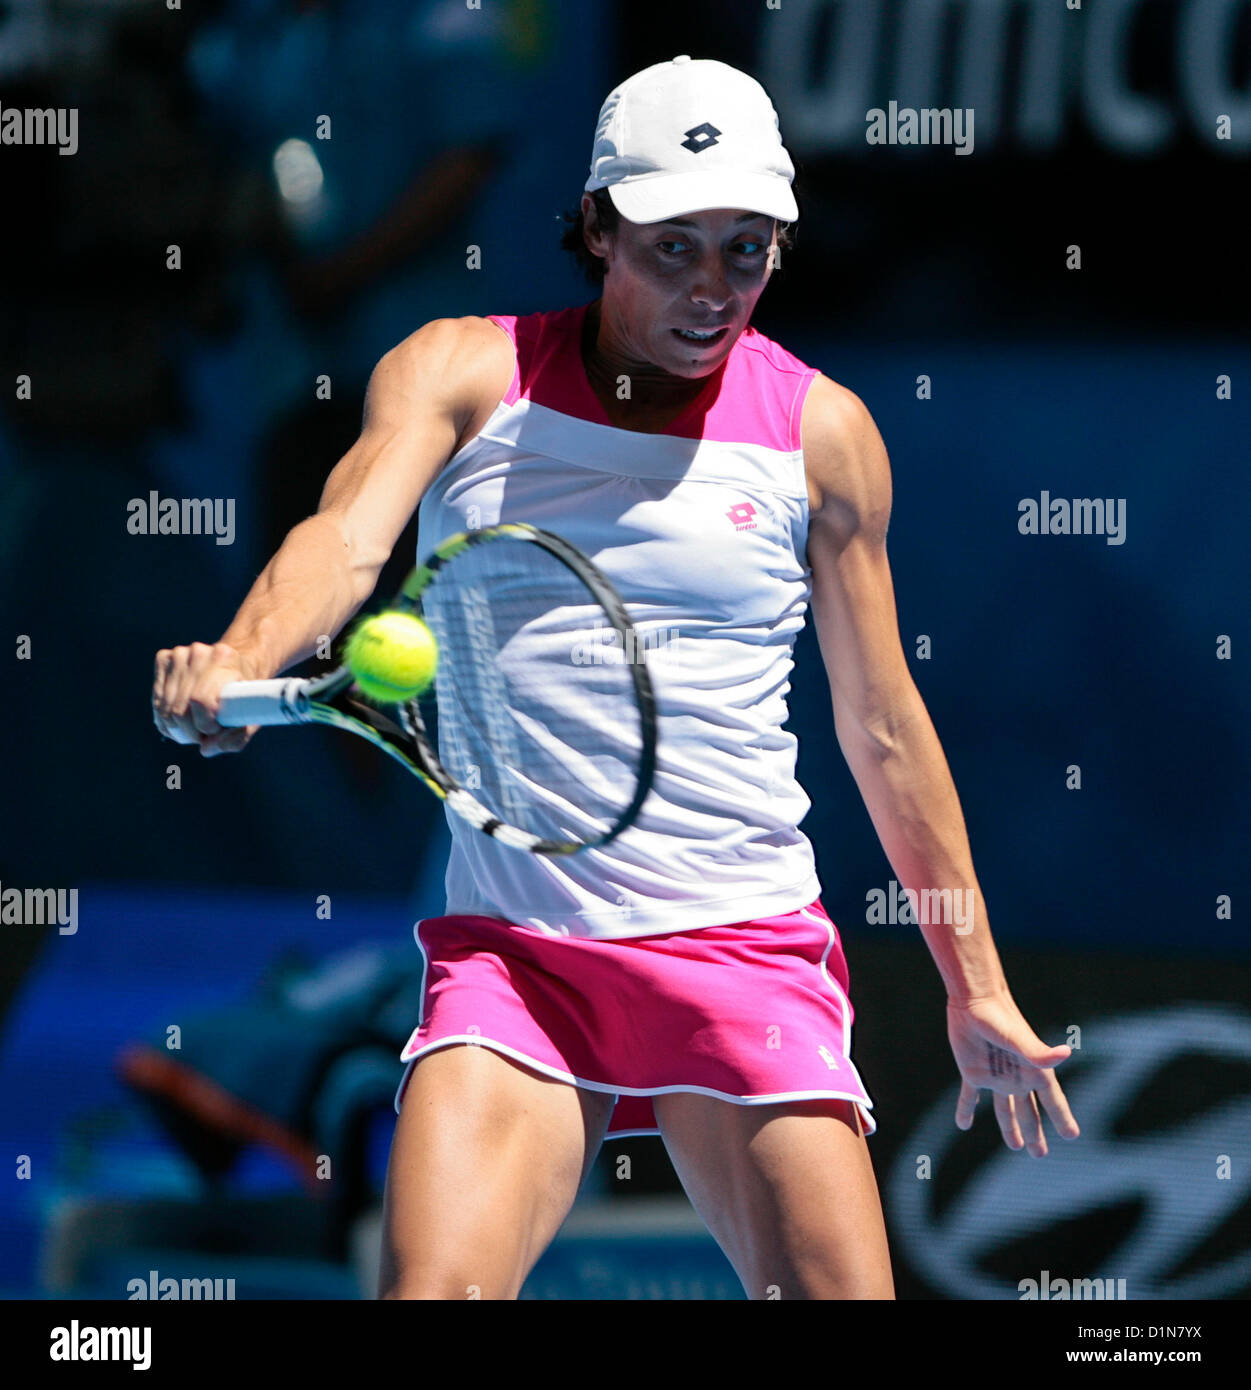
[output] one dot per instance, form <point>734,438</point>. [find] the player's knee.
<point>817,1275</point>
<point>448,1276</point>
<point>444,1285</point>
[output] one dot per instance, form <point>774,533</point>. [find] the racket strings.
<point>537,711</point>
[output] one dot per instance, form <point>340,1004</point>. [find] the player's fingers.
<point>178,683</point>
<point>966,1105</point>
<point>1008,1126</point>
<point>173,700</point>
<point>159,707</point>
<point>201,720</point>
<point>228,741</point>
<point>1030,1122</point>
<point>160,672</point>
<point>171,662</point>
<point>201,661</point>
<point>1057,1106</point>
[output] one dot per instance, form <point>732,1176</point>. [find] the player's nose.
<point>710,288</point>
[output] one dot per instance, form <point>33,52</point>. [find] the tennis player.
<point>684,979</point>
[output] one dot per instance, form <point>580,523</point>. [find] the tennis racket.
<point>530,732</point>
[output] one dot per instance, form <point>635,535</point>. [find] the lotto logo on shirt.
<point>743,515</point>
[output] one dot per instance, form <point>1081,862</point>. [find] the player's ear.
<point>592,233</point>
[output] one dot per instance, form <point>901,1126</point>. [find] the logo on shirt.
<point>700,137</point>
<point>743,515</point>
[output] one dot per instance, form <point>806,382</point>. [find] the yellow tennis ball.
<point>392,657</point>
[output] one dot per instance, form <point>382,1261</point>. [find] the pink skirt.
<point>752,1012</point>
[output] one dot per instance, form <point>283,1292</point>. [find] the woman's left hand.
<point>996,1050</point>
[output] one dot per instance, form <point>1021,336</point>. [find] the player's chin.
<point>686,357</point>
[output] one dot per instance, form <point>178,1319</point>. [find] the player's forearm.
<point>311,587</point>
<point>908,791</point>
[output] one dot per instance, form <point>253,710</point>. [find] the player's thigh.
<point>486,1161</point>
<point>787,1190</point>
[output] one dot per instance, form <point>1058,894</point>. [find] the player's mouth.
<point>703,337</point>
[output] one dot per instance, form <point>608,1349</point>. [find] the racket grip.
<point>281,701</point>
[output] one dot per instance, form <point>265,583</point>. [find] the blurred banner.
<point>948,152</point>
<point>1152,1200</point>
<point>1135,77</point>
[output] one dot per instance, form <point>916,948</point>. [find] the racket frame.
<point>325,700</point>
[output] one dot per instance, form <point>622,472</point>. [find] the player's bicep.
<point>415,407</point>
<point>853,607</point>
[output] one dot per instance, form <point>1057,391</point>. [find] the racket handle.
<point>281,701</point>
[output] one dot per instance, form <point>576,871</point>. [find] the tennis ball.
<point>392,657</point>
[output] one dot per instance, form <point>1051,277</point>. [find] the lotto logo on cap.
<point>687,136</point>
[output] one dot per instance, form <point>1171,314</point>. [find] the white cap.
<point>686,136</point>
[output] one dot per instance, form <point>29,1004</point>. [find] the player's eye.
<point>749,248</point>
<point>672,248</point>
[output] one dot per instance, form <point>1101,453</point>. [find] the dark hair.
<point>591,265</point>
<point>573,240</point>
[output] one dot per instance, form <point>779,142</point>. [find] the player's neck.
<point>655,396</point>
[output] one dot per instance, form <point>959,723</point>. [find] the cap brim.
<point>659,197</point>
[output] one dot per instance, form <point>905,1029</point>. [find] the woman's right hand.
<point>186,695</point>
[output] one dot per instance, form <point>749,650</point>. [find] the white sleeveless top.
<point>714,552</point>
